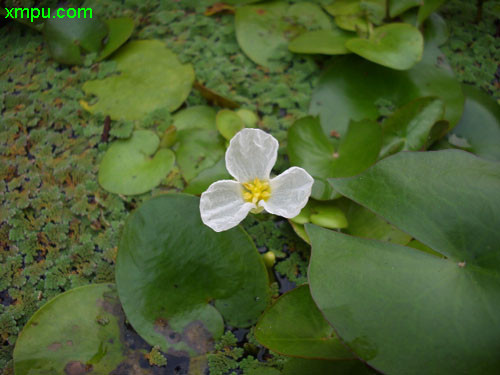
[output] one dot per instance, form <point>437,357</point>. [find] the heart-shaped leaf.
<point>129,167</point>
<point>196,117</point>
<point>68,37</point>
<point>352,88</point>
<point>206,177</point>
<point>294,326</point>
<point>81,331</point>
<point>327,42</point>
<point>120,29</point>
<point>264,30</point>
<point>409,127</point>
<point>396,45</point>
<point>198,149</point>
<point>151,77</point>
<point>309,148</point>
<point>398,307</point>
<point>228,123</point>
<point>480,124</point>
<point>178,279</point>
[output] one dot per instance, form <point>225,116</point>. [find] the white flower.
<point>249,159</point>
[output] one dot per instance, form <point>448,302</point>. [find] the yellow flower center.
<point>256,191</point>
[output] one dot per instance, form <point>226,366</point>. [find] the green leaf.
<point>351,88</point>
<point>300,366</point>
<point>327,42</point>
<point>228,123</point>
<point>480,124</point>
<point>178,279</point>
<point>435,30</point>
<point>264,30</point>
<point>120,29</point>
<point>151,77</point>
<point>355,15</point>
<point>396,45</point>
<point>196,117</point>
<point>76,332</point>
<point>366,224</point>
<point>427,8</point>
<point>449,201</point>
<point>409,127</point>
<point>129,167</point>
<point>294,326</point>
<point>397,7</point>
<point>198,149</point>
<point>309,148</point>
<point>67,37</point>
<point>208,176</point>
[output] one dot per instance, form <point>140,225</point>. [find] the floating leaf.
<point>409,127</point>
<point>250,119</point>
<point>327,42</point>
<point>208,176</point>
<point>480,124</point>
<point>294,326</point>
<point>120,29</point>
<point>427,8</point>
<point>309,148</point>
<point>449,201</point>
<point>397,7</point>
<point>351,87</point>
<point>198,149</point>
<point>300,366</point>
<point>355,15</point>
<point>228,123</point>
<point>178,279</point>
<point>78,332</point>
<point>435,30</point>
<point>196,117</point>
<point>151,77</point>
<point>129,167</point>
<point>264,30</point>
<point>396,45</point>
<point>68,37</point>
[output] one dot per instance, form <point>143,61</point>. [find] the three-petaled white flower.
<point>249,159</point>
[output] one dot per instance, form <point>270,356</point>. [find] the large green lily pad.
<point>398,307</point>
<point>480,124</point>
<point>264,30</point>
<point>68,37</point>
<point>409,127</point>
<point>327,42</point>
<point>351,88</point>
<point>178,279</point>
<point>129,167</point>
<point>310,148</point>
<point>396,45</point>
<point>294,326</point>
<point>151,77</point>
<point>81,331</point>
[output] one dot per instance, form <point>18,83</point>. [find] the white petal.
<point>251,154</point>
<point>222,206</point>
<point>290,192</point>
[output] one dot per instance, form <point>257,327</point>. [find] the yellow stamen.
<point>256,191</point>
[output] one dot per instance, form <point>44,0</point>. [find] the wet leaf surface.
<point>151,77</point>
<point>178,279</point>
<point>425,296</point>
<point>135,165</point>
